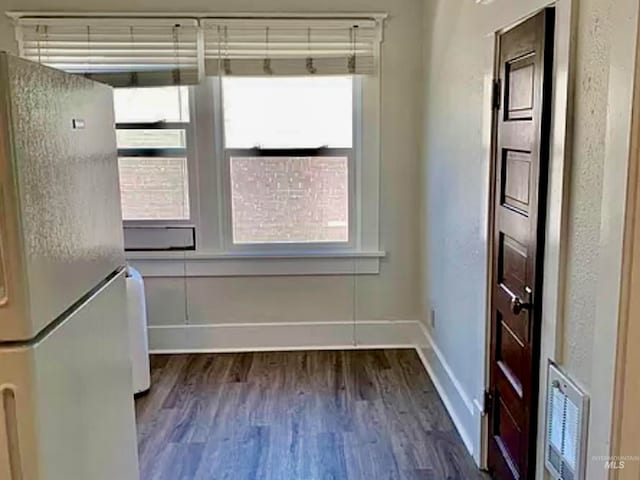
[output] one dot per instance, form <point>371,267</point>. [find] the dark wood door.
<point>523,101</point>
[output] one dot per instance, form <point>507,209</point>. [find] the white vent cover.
<point>567,415</point>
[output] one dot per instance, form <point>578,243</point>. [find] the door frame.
<point>626,389</point>
<point>555,251</point>
<point>626,418</point>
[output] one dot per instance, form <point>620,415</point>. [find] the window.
<point>282,112</point>
<point>246,146</point>
<point>152,130</point>
<point>289,159</point>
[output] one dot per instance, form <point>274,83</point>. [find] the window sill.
<point>198,264</point>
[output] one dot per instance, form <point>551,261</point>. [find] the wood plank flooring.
<point>363,414</point>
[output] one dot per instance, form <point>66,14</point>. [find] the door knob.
<point>516,304</point>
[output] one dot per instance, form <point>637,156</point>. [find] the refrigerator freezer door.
<point>62,226</point>
<point>73,414</point>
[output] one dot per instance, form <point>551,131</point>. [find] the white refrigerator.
<point>66,408</point>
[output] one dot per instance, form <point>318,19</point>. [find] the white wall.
<point>455,175</point>
<point>393,294</point>
<point>452,40</point>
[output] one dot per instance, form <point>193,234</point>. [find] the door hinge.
<point>496,94</point>
<point>488,402</point>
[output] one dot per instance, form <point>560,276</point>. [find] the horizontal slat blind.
<point>120,52</point>
<point>166,51</point>
<point>290,46</point>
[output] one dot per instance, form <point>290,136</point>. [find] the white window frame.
<point>293,247</point>
<point>212,256</point>
<point>154,232</point>
<point>215,253</point>
<point>266,247</point>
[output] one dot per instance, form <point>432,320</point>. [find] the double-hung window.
<point>152,130</point>
<point>154,138</point>
<point>289,162</point>
<point>254,142</point>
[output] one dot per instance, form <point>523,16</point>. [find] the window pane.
<point>153,104</point>
<point>154,188</point>
<point>289,199</point>
<point>288,112</point>
<point>157,138</point>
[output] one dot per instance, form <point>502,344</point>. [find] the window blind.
<point>290,46</point>
<point>118,51</point>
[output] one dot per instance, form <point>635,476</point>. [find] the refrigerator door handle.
<point>10,435</point>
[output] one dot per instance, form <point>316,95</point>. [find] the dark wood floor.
<point>322,415</point>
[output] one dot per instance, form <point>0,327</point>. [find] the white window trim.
<point>192,176</point>
<point>214,255</point>
<point>17,14</point>
<point>353,214</point>
<point>276,247</point>
<point>195,264</point>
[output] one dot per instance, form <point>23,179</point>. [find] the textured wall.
<point>455,178</point>
<point>455,187</point>
<point>591,87</point>
<point>455,175</point>
<point>391,295</point>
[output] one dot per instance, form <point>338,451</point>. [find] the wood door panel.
<point>520,161</point>
<point>510,433</point>
<point>503,467</point>
<point>519,83</point>
<point>510,396</point>
<point>516,183</point>
<point>510,353</point>
<point>516,137</point>
<point>518,224</point>
<point>512,270</point>
<point>518,324</point>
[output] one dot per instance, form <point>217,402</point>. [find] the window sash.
<point>155,151</point>
<point>152,152</point>
<point>153,125</point>
<point>228,242</point>
<point>187,152</point>
<point>289,152</point>
<point>184,190</point>
<point>270,116</point>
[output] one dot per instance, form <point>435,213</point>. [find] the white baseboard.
<point>458,404</point>
<point>283,336</point>
<point>468,402</point>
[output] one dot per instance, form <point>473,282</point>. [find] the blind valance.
<point>290,46</point>
<point>120,52</point>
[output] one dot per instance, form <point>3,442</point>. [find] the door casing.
<point>626,416</point>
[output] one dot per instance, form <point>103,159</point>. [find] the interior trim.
<point>192,264</point>
<point>255,337</point>
<point>293,15</point>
